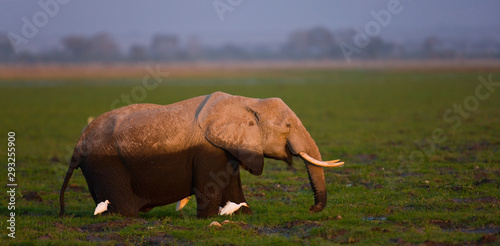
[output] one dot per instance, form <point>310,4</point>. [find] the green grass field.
<point>395,188</point>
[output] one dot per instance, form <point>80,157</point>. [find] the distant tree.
<point>233,52</point>
<point>429,46</point>
<point>378,48</point>
<point>100,47</point>
<point>103,47</point>
<point>436,48</point>
<point>76,47</point>
<point>164,47</point>
<point>138,52</point>
<point>27,57</point>
<point>321,42</point>
<point>297,44</point>
<point>313,43</point>
<point>194,48</point>
<point>7,52</point>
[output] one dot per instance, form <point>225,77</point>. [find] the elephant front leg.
<point>208,198</point>
<point>212,196</point>
<point>234,193</point>
<point>216,182</point>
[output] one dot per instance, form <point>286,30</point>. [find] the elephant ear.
<point>228,123</point>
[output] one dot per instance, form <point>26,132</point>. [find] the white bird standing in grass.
<point>101,207</point>
<point>231,207</point>
<point>182,203</point>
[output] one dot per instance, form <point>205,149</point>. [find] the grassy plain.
<point>394,188</point>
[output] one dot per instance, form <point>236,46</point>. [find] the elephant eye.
<point>287,124</point>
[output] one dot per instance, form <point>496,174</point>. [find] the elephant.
<point>142,156</point>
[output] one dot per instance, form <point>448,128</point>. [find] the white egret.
<point>182,203</point>
<point>101,207</point>
<point>231,207</point>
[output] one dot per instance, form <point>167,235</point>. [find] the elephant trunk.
<point>317,181</point>
<point>300,142</point>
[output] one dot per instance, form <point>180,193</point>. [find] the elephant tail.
<point>75,163</point>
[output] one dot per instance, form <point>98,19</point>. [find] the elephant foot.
<point>316,208</point>
<point>205,214</point>
<point>206,211</point>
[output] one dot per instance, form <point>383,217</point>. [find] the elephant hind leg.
<point>112,182</point>
<point>122,200</point>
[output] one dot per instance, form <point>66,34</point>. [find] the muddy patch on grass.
<point>162,239</point>
<point>112,225</point>
<point>303,223</point>
<point>374,219</point>
<point>339,236</point>
<point>455,187</point>
<point>258,190</point>
<point>62,228</point>
<point>481,230</point>
<point>398,241</point>
<point>486,199</point>
<point>361,158</point>
<point>467,153</point>
<point>447,171</point>
<point>300,228</point>
<point>483,181</point>
<point>241,224</point>
<point>107,232</point>
<point>32,196</point>
<point>478,146</point>
<point>305,229</point>
<point>434,243</point>
<point>489,239</point>
<point>338,217</point>
<point>104,238</point>
<point>451,226</point>
<point>45,237</point>
<point>345,170</point>
<point>77,188</point>
<point>444,224</point>
<point>380,229</point>
<point>280,231</point>
<point>368,184</point>
<point>410,174</point>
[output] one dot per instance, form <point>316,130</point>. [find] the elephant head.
<point>251,129</point>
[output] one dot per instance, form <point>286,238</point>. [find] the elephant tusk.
<point>311,160</point>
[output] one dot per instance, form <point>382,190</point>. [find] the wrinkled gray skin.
<point>145,155</point>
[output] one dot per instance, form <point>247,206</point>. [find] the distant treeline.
<point>310,44</point>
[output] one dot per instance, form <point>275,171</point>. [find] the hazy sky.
<point>252,21</point>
